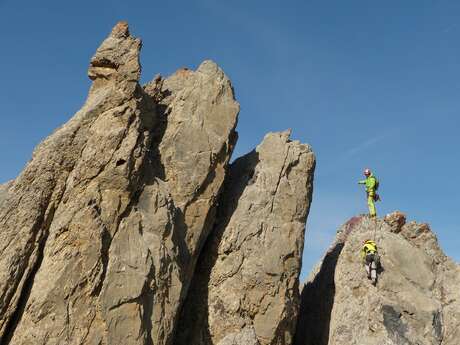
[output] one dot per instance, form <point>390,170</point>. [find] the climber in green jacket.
<point>372,184</point>
<point>370,259</point>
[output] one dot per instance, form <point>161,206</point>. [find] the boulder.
<point>396,221</point>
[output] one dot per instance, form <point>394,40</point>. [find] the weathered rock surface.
<point>4,189</point>
<point>100,233</point>
<point>245,290</point>
<point>416,300</point>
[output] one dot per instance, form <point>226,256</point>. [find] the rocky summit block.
<point>245,290</point>
<point>100,233</point>
<point>416,299</point>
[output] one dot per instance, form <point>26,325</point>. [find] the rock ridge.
<point>415,300</point>
<point>102,203</point>
<point>101,233</point>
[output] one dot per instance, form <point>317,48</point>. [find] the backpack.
<point>377,183</point>
<point>370,246</point>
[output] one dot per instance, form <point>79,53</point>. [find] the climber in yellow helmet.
<point>372,184</point>
<point>370,259</point>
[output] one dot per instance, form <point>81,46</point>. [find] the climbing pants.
<point>371,270</point>
<point>371,266</point>
<point>371,204</point>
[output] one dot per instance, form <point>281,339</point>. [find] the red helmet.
<point>367,172</point>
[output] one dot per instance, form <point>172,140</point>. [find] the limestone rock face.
<point>416,300</point>
<point>245,289</point>
<point>100,233</point>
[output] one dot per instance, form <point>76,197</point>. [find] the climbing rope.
<point>375,229</point>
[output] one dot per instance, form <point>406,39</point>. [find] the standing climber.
<point>370,259</point>
<point>372,184</point>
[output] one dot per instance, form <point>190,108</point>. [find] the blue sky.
<point>367,83</point>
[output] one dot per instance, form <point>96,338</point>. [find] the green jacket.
<point>369,247</point>
<point>369,182</point>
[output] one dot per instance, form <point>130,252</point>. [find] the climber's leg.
<point>368,268</point>
<point>373,269</point>
<point>371,204</point>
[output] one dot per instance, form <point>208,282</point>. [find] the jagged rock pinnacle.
<point>121,30</point>
<point>245,291</point>
<point>117,59</point>
<point>101,231</point>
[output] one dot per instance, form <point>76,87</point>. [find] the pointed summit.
<point>120,30</point>
<point>117,58</point>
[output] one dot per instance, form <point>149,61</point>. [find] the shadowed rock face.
<point>245,290</point>
<point>415,300</point>
<point>100,233</point>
